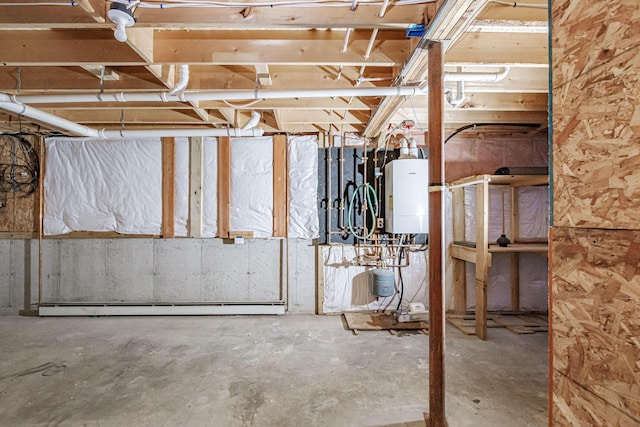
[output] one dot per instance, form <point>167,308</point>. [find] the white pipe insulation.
<point>253,121</point>
<point>476,77</point>
<point>221,95</point>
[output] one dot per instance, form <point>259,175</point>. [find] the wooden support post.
<point>515,282</point>
<point>168,187</point>
<point>515,258</point>
<point>459,270</point>
<point>195,186</point>
<point>280,186</point>
<point>436,416</point>
<point>482,257</point>
<point>224,185</point>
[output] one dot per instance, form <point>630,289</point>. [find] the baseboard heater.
<point>276,308</point>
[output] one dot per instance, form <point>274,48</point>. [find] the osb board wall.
<point>596,326</point>
<point>479,152</point>
<point>21,213</point>
<point>596,113</point>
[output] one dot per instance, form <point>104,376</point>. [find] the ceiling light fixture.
<point>122,17</point>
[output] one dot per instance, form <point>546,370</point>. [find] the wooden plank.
<point>596,297</point>
<point>196,159</point>
<point>168,187</point>
<point>380,322</point>
<point>280,186</point>
<point>436,416</point>
<point>278,47</point>
<point>511,49</point>
<point>459,269</point>
<point>224,185</point>
<point>533,248</point>
<point>62,48</point>
<point>482,238</point>
<point>463,253</point>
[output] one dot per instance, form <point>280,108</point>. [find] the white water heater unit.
<point>406,187</point>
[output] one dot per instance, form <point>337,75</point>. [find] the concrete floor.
<point>295,370</point>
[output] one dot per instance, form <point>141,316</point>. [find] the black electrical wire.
<point>475,125</point>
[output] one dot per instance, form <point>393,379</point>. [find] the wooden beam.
<point>65,47</point>
<point>141,41</point>
<point>229,115</point>
<point>278,116</point>
<point>365,16</point>
<point>195,186</point>
<point>502,12</point>
<point>501,49</point>
<point>262,74</point>
<point>482,267</point>
<point>278,47</point>
<point>168,187</point>
<point>224,185</point>
<point>280,186</point>
<point>436,416</point>
<point>101,72</point>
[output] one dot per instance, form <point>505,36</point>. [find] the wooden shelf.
<point>481,253</point>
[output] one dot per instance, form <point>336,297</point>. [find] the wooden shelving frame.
<point>481,254</point>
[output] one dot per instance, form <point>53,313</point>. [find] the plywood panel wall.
<point>596,113</point>
<point>596,322</point>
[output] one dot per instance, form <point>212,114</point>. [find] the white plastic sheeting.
<point>210,187</point>
<point>252,185</point>
<point>181,186</point>
<point>348,288</point>
<point>303,187</point>
<point>533,213</point>
<point>98,185</point>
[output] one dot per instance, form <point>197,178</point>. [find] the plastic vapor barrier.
<point>303,187</point>
<point>348,287</point>
<point>252,185</point>
<point>98,185</point>
<point>533,213</point>
<point>181,186</point>
<point>210,187</point>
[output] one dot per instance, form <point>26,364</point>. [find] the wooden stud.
<point>436,416</point>
<point>195,186</point>
<point>224,185</point>
<point>168,187</point>
<point>459,269</point>
<point>482,261</point>
<point>280,186</point>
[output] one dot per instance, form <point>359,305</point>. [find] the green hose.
<point>368,189</point>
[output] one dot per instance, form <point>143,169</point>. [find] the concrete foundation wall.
<point>158,270</point>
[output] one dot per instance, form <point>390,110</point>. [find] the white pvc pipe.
<point>50,119</point>
<point>221,95</point>
<point>253,121</point>
<point>84,131</point>
<point>156,133</point>
<point>181,85</point>
<point>476,77</point>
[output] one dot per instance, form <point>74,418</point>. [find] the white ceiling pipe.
<point>221,95</point>
<point>476,77</point>
<point>84,131</point>
<point>49,119</point>
<point>181,85</point>
<point>156,133</point>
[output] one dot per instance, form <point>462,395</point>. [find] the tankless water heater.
<point>407,196</point>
